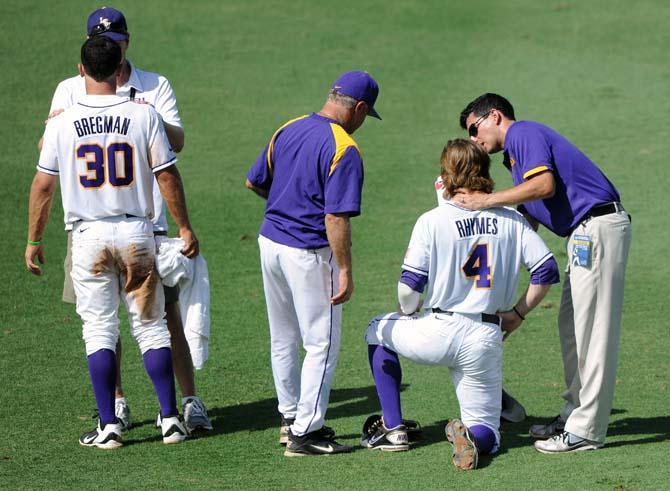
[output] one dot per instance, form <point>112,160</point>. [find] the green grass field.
<point>597,71</point>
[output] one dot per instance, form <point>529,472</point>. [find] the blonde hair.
<point>465,164</point>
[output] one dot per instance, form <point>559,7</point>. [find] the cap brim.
<point>115,36</point>
<point>373,113</point>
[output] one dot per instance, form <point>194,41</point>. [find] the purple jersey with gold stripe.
<point>531,148</point>
<point>310,167</point>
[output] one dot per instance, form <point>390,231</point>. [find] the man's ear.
<point>80,67</point>
<point>498,116</point>
<point>361,106</point>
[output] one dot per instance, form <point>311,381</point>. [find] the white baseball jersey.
<point>472,258</point>
<point>147,86</point>
<point>104,149</point>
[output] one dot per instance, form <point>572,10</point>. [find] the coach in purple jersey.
<point>561,188</point>
<point>311,174</point>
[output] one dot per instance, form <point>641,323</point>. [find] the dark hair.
<point>483,104</point>
<point>465,164</point>
<point>101,57</point>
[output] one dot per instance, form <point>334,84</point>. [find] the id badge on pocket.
<point>581,251</point>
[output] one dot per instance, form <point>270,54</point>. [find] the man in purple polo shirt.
<point>311,174</point>
<point>556,185</point>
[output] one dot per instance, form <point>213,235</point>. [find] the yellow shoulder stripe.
<point>272,140</point>
<point>534,171</point>
<point>343,141</point>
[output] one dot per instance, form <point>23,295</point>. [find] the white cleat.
<point>173,430</point>
<point>107,437</point>
<point>122,412</point>
<point>195,414</point>
<point>564,443</point>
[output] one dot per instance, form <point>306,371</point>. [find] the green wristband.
<point>34,242</point>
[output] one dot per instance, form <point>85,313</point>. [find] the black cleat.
<point>376,436</point>
<point>312,444</point>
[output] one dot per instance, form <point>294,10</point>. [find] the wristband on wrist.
<point>34,242</point>
<point>518,313</point>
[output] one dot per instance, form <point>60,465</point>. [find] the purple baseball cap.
<point>108,22</point>
<point>360,86</point>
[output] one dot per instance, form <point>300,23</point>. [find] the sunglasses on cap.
<point>106,27</point>
<point>473,129</point>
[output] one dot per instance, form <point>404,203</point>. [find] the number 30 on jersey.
<point>113,164</point>
<point>477,266</point>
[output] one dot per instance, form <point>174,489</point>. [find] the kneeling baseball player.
<point>469,261</point>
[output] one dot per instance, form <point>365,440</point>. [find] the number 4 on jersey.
<point>477,266</point>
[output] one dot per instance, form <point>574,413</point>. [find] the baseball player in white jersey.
<point>154,89</point>
<point>469,262</point>
<point>105,150</point>
<point>512,410</point>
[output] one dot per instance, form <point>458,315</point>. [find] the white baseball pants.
<point>298,285</point>
<point>470,348</point>
<point>114,258</point>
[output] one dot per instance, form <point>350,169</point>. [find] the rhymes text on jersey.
<point>477,226</point>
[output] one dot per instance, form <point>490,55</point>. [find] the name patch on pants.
<point>581,251</point>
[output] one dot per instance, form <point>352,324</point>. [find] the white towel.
<point>193,279</point>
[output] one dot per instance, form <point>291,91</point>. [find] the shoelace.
<point>197,407</point>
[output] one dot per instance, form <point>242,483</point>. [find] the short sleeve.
<point>48,162</point>
<point>160,151</point>
<point>166,103</point>
<point>533,249</point>
<point>344,184</point>
<point>417,257</point>
<point>63,97</point>
<point>529,150</point>
<point>260,174</point>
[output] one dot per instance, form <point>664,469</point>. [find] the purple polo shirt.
<point>310,167</point>
<point>531,148</point>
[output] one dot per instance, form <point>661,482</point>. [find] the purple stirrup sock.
<point>485,439</point>
<point>387,375</point>
<point>158,364</point>
<point>102,368</point>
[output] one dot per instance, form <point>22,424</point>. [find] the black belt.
<point>490,318</point>
<point>127,215</point>
<point>605,209</point>
<point>160,232</point>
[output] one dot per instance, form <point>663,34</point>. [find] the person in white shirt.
<point>153,89</point>
<point>469,261</point>
<point>105,151</point>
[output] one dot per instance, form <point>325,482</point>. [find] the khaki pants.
<point>589,324</point>
<point>68,288</point>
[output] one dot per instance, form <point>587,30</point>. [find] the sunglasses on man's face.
<point>473,129</point>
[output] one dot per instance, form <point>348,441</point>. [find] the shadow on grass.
<point>262,415</point>
<point>652,430</point>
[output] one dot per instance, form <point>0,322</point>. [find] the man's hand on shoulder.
<point>472,201</point>
<point>143,101</point>
<point>53,114</point>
